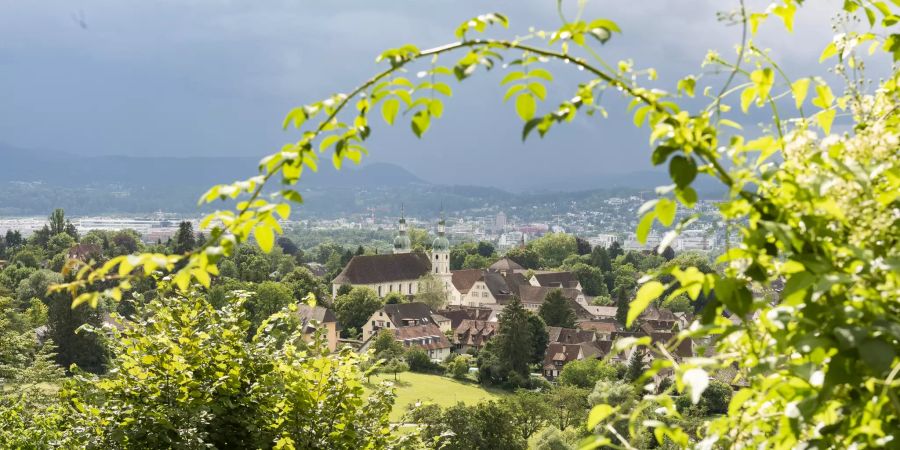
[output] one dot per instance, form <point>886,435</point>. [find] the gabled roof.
<point>506,264</point>
<point>566,353</point>
<point>463,280</point>
<point>319,314</point>
<point>370,269</point>
<point>457,315</point>
<point>569,335</point>
<point>662,315</point>
<point>427,336</point>
<point>602,326</point>
<point>497,284</point>
<point>475,332</point>
<point>557,279</point>
<point>537,294</point>
<point>601,311</point>
<point>399,312</point>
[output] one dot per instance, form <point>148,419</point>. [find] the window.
<point>379,291</point>
<point>484,294</point>
<point>410,288</point>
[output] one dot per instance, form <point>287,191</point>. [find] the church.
<point>399,271</point>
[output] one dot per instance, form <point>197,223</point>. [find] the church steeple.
<point>402,242</point>
<point>440,250</point>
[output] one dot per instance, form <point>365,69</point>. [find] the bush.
<point>459,367</point>
<point>185,376</point>
<point>419,361</point>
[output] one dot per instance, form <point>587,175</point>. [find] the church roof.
<point>371,269</point>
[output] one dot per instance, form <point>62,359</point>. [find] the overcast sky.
<point>215,77</point>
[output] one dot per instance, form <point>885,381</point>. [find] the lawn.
<point>414,387</point>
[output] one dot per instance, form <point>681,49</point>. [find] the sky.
<point>216,78</point>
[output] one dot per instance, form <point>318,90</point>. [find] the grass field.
<point>417,387</point>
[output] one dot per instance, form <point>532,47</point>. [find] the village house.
<point>427,337</point>
<point>473,334</point>
<point>569,335</point>
<point>324,318</point>
<point>558,355</point>
<point>397,316</point>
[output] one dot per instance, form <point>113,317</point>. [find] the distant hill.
<point>34,182</point>
<point>63,169</point>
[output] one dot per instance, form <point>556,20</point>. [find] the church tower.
<point>402,243</point>
<point>440,253</point>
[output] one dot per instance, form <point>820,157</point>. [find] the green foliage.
<point>525,257</point>
<point>186,377</point>
<point>269,297</point>
<point>569,405</point>
<point>74,345</point>
<point>514,343</point>
<point>592,281</point>
<point>476,262</point>
<point>394,297</point>
<point>529,411</point>
<point>354,308</point>
<point>432,292</point>
<point>487,425</point>
<point>419,361</point>
<point>556,311</point>
<point>458,367</point>
<point>552,438</point>
<point>553,248</point>
<point>385,346</point>
<point>585,373</point>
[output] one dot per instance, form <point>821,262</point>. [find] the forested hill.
<point>33,182</point>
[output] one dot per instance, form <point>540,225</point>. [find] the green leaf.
<point>647,293</point>
<point>436,108</point>
<point>265,237</point>
<point>796,286</point>
<point>824,96</point>
<point>682,170</point>
<point>786,12</point>
<point>525,106</point>
<point>687,196</point>
<point>665,211</point>
<point>389,110</point>
<point>598,413</point>
<point>538,90</point>
<point>420,123</point>
<point>540,73</point>
<point>512,76</point>
<point>829,51</point>
<point>825,119</point>
<point>877,354</point>
<point>661,153</point>
<point>762,80</point>
<point>641,114</point>
<point>747,97</point>
<point>644,226</point>
<point>513,90</point>
<point>799,89</point>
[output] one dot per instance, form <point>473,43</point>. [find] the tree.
<point>622,304</point>
<point>552,438</point>
<point>487,425</point>
<point>82,348</point>
<point>270,297</point>
<point>556,311</point>
<point>615,250</point>
<point>591,279</point>
<point>59,244</point>
<point>569,405</point>
<point>635,365</point>
<point>302,282</point>
<point>514,339</point>
<point>476,262</point>
<point>458,367</point>
<point>176,388</point>
<point>287,246</point>
<point>185,239</point>
<point>418,361</point>
<point>393,298</point>
<point>600,259</point>
<point>529,411</point>
<point>13,239</point>
<point>553,248</point>
<point>385,346</point>
<point>539,337</point>
<point>57,222</point>
<point>525,257</point>
<point>485,249</point>
<point>583,247</point>
<point>395,365</point>
<point>585,373</point>
<point>431,292</point>
<point>354,308</point>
